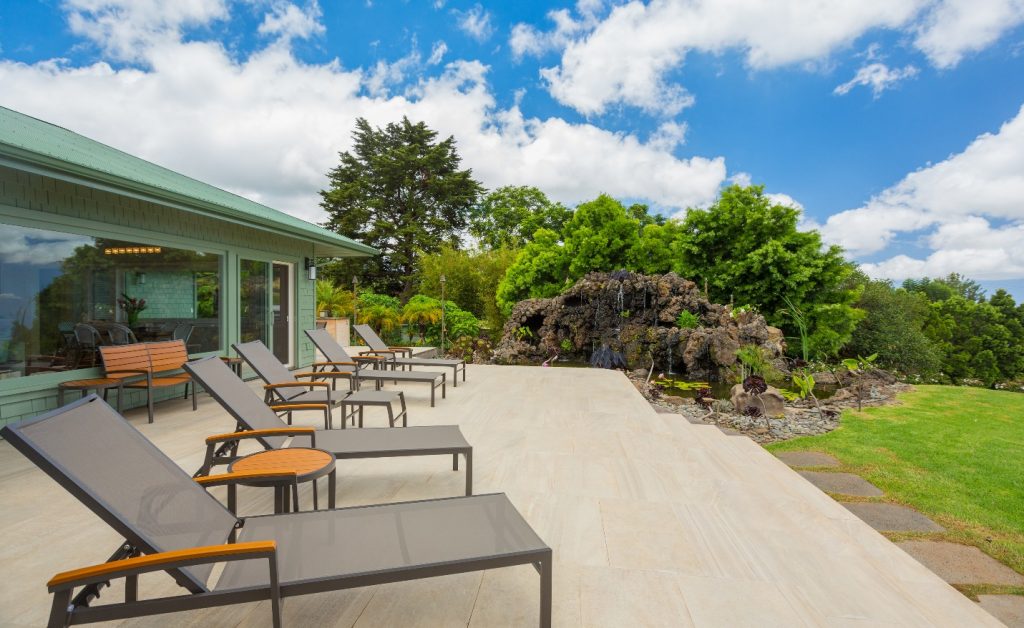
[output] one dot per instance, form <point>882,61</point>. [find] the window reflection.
<point>62,295</point>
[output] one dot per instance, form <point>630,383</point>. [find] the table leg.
<point>332,483</point>
<point>315,505</point>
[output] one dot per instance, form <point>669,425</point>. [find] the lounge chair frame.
<point>227,450</point>
<point>378,346</point>
<point>68,609</point>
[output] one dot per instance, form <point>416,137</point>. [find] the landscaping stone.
<point>961,564</point>
<point>769,403</point>
<point>892,518</point>
<point>1008,609</point>
<point>807,459</point>
<point>842,483</point>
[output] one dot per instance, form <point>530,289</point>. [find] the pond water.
<point>680,386</point>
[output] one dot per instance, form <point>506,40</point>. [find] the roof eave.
<point>325,244</point>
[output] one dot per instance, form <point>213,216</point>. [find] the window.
<point>62,295</point>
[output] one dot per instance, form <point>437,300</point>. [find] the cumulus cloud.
<point>289,21</point>
<point>958,200</point>
<point>269,126</point>
<point>125,29</point>
<point>476,22</point>
<point>957,27</point>
<point>626,57</point>
<point>878,76</point>
<point>528,40</point>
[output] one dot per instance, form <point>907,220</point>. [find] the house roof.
<point>59,152</point>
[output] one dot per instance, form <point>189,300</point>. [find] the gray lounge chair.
<point>340,363</point>
<point>285,386</point>
<point>271,432</point>
<point>378,346</point>
<point>173,525</point>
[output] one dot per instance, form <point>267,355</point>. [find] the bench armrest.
<point>163,561</point>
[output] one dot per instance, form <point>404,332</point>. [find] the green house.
<point>86,231</point>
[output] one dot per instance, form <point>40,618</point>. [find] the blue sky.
<point>895,125</point>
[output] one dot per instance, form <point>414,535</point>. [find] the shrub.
<point>687,320</point>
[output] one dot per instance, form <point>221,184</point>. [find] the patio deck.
<point>653,521</point>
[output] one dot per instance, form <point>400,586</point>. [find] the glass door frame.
<point>292,294</point>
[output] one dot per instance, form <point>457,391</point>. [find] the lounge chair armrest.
<point>162,561</point>
<point>280,407</point>
<point>243,477</point>
<point>335,364</point>
<point>376,351</point>
<point>311,375</point>
<point>277,431</point>
<point>297,384</point>
<point>371,358</point>
<point>396,348</point>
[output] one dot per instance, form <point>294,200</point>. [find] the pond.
<point>680,386</point>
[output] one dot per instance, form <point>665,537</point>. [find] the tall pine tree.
<point>400,191</point>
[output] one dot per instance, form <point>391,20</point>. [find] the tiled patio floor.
<point>653,521</point>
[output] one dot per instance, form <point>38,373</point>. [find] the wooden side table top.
<point>306,463</point>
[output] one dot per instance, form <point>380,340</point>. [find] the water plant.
<point>566,345</point>
<point>523,332</point>
<point>801,326</point>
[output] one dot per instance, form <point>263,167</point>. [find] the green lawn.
<point>955,454</point>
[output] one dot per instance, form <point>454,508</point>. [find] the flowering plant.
<point>131,306</point>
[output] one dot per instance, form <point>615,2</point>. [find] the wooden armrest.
<point>277,431</point>
<point>297,384</point>
<point>277,407</point>
<point>376,351</point>
<point>335,364</point>
<point>400,348</point>
<point>310,374</point>
<point>372,357</point>
<point>241,477</point>
<point>161,561</point>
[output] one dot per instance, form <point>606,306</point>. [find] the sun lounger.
<point>286,387</point>
<point>339,362</point>
<point>379,346</point>
<point>271,432</point>
<point>171,524</point>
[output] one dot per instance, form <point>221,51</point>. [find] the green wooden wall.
<point>43,202</point>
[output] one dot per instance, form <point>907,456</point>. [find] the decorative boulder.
<point>770,402</point>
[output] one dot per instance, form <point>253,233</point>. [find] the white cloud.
<point>628,56</point>
<point>476,22</point>
<point>527,40</point>
<point>957,27</point>
<point>668,136</point>
<point>125,29</point>
<point>437,52</point>
<point>878,76</point>
<point>957,199</point>
<point>385,75</point>
<point>269,126</point>
<point>288,21</point>
<point>779,198</point>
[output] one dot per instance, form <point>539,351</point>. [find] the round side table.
<point>308,465</point>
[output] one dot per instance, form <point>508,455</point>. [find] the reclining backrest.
<point>371,338</point>
<point>267,366</point>
<point>236,397</point>
<point>328,345</point>
<point>126,480</point>
<point>169,355</point>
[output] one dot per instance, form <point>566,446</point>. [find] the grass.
<point>954,454</point>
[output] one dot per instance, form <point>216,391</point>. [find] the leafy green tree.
<point>600,236</point>
<point>940,289</point>
<point>976,339</point>
<point>748,250</point>
<point>509,216</point>
<point>541,269</point>
<point>893,328</point>
<point>400,191</point>
<point>472,279</point>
